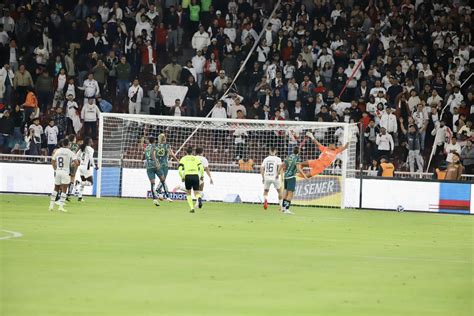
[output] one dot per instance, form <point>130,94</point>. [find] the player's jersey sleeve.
<point>322,148</point>
<point>204,162</point>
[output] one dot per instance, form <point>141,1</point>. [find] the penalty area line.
<point>11,234</point>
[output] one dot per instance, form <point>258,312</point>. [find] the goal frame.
<point>306,124</point>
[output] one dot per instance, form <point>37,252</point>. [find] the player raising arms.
<point>62,161</point>
<point>291,165</point>
<point>152,166</point>
<point>191,171</point>
<point>327,157</point>
<point>162,152</point>
<point>86,169</point>
<point>270,175</point>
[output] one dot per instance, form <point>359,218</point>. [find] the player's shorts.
<point>290,184</point>
<point>268,183</point>
<point>191,182</point>
<point>61,177</point>
<point>316,167</point>
<point>163,171</point>
<point>85,173</point>
<point>152,173</point>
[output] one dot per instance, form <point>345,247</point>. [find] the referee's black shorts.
<point>191,181</point>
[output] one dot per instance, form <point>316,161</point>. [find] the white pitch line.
<point>11,234</point>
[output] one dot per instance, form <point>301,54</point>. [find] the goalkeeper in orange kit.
<point>327,157</point>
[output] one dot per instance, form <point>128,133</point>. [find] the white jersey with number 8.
<point>270,167</point>
<point>63,158</point>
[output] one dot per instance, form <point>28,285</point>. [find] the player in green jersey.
<point>152,166</point>
<point>162,152</point>
<point>288,169</point>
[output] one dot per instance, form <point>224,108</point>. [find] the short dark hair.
<point>71,138</point>
<point>296,150</point>
<point>151,140</point>
<point>65,142</point>
<point>199,150</point>
<point>189,150</point>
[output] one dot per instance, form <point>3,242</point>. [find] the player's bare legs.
<point>59,188</point>
<point>287,197</point>
<point>163,187</point>
<point>265,199</point>
<point>85,182</point>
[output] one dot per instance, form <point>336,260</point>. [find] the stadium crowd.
<point>401,67</point>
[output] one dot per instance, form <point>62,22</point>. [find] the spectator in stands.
<point>52,134</point>
<point>384,143</point>
<point>177,109</point>
<point>453,147</point>
<point>192,97</point>
<point>104,106</point>
<point>6,84</point>
<point>74,124</point>
<point>389,122</point>
<point>135,96</point>
<point>413,144</point>
<point>124,71</point>
<point>90,114</point>
<point>373,169</point>
<point>7,126</point>
<point>467,156</point>
<point>200,39</point>
<point>21,83</point>
<point>172,72</point>
<point>90,87</point>
<point>34,138</point>
<point>234,106</point>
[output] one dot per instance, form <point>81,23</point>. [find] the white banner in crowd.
<point>170,93</point>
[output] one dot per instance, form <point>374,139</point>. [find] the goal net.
<point>235,150</point>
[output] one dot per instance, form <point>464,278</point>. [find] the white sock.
<point>53,199</point>
<point>81,189</point>
<point>62,199</point>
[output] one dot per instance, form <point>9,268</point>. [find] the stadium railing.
<point>232,167</point>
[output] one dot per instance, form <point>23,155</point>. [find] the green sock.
<point>189,198</point>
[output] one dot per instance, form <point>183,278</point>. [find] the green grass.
<point>127,257</point>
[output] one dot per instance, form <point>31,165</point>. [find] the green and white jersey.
<point>149,162</point>
<point>290,163</point>
<point>161,154</point>
<point>74,147</point>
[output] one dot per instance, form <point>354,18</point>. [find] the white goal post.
<point>235,149</point>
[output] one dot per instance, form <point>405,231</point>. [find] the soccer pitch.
<point>128,257</point>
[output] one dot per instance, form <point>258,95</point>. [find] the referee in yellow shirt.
<point>191,171</point>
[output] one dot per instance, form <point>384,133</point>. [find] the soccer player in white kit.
<point>62,161</point>
<point>86,169</point>
<point>205,165</point>
<point>270,175</point>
